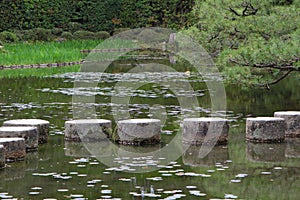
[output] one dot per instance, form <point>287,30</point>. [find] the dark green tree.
<point>253,42</point>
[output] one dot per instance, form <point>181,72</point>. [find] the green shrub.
<point>57,31</point>
<point>67,35</point>
<point>119,30</point>
<point>102,35</point>
<point>28,35</point>
<point>84,35</point>
<point>37,34</point>
<point>19,34</point>
<point>43,34</point>
<point>74,26</point>
<point>8,37</point>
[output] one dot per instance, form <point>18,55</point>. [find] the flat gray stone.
<point>87,130</point>
<point>29,133</point>
<point>292,120</point>
<point>197,131</point>
<point>138,132</point>
<point>14,148</point>
<point>265,129</point>
<point>41,125</point>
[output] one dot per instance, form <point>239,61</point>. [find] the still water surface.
<point>65,170</point>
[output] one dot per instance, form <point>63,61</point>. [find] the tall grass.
<point>45,52</point>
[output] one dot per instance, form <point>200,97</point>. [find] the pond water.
<point>66,170</point>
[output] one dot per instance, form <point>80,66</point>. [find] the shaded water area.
<point>63,170</point>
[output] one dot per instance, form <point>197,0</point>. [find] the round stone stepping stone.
<point>2,156</point>
<point>30,134</point>
<point>87,130</point>
<point>41,125</point>
<point>138,132</point>
<point>205,130</point>
<point>14,148</point>
<point>292,120</point>
<point>265,129</point>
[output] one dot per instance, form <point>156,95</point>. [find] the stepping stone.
<point>198,131</point>
<point>138,132</point>
<point>14,148</point>
<point>30,134</point>
<point>41,125</point>
<point>292,120</point>
<point>2,156</point>
<point>87,130</point>
<point>265,129</point>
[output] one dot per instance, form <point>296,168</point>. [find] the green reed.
<point>44,52</point>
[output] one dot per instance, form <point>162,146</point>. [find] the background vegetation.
<point>93,15</point>
<point>253,42</point>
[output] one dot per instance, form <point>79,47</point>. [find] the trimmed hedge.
<point>8,37</point>
<point>67,35</point>
<point>56,34</point>
<point>92,15</point>
<point>84,35</point>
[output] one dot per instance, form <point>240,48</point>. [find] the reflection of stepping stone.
<point>266,153</point>
<point>30,135</point>
<point>2,156</point>
<point>265,129</point>
<point>138,131</point>
<point>41,125</point>
<point>292,120</point>
<point>292,149</point>
<point>87,130</point>
<point>14,148</point>
<point>197,131</point>
<point>76,149</point>
<point>193,156</point>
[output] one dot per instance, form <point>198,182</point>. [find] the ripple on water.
<point>230,196</point>
<point>197,193</point>
<point>106,191</point>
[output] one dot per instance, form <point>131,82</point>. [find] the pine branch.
<point>267,85</point>
<point>284,65</point>
<point>248,10</point>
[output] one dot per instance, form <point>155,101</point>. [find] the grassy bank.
<point>45,52</point>
<point>42,53</point>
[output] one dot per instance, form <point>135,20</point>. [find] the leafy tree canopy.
<point>253,42</point>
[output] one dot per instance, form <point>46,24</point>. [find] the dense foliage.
<point>253,41</point>
<point>93,15</point>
